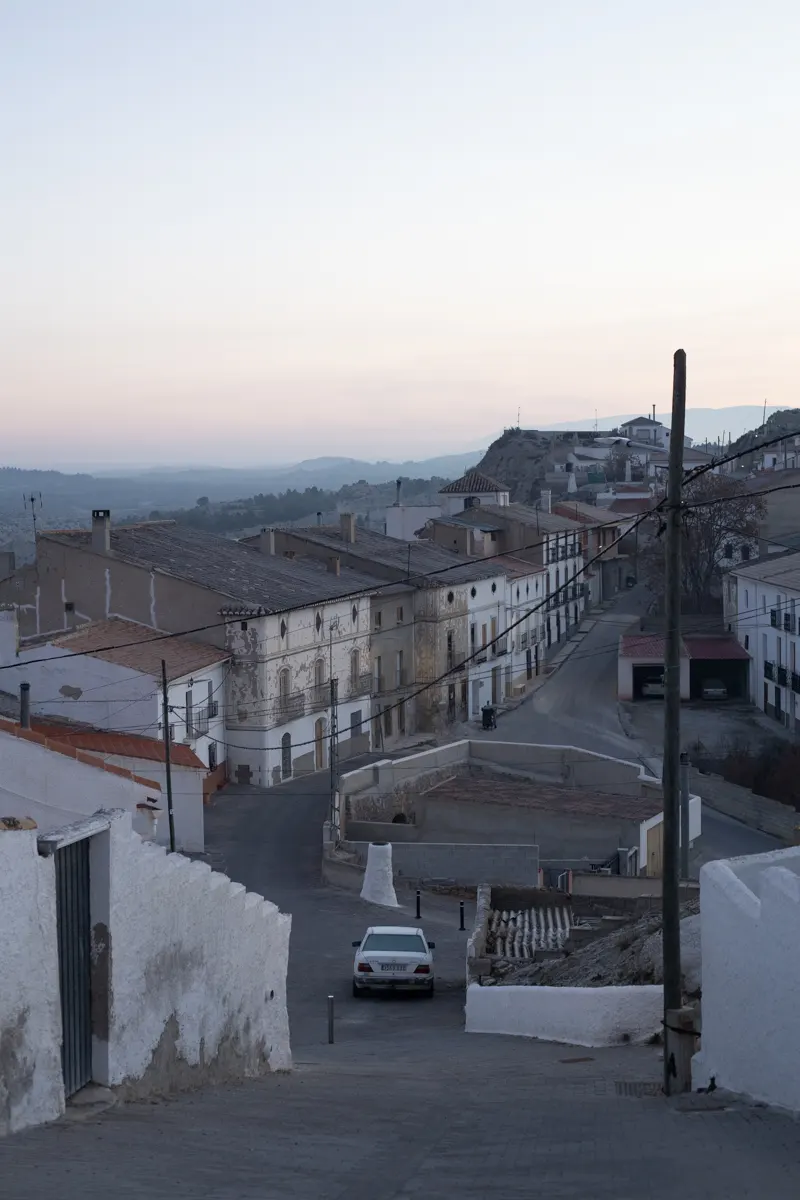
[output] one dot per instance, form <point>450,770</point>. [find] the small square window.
<point>378,620</point>
<point>243,626</point>
<point>400,614</point>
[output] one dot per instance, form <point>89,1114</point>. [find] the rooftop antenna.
<point>31,501</point>
<point>519,410</point>
<point>764,421</point>
<point>595,421</point>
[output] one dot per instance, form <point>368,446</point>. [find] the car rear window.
<point>376,942</point>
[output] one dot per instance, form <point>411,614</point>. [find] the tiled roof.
<point>584,514</point>
<point>641,421</point>
<point>426,563</point>
<point>472,484</point>
<point>537,518</point>
<point>645,645</point>
<point>111,641</point>
<point>714,648</point>
<point>782,570</point>
<point>237,571</point>
<point>59,747</point>
<point>631,507</point>
<point>120,745</point>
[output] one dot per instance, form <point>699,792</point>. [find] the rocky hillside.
<point>519,458</point>
<point>785,422</point>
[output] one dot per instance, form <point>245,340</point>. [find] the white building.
<point>762,607</point>
<point>107,674</point>
<point>279,720</point>
<point>407,521</point>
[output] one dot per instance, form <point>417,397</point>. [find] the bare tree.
<point>719,517</point>
<point>616,462</point>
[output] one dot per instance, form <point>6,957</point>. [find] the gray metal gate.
<point>74,962</point>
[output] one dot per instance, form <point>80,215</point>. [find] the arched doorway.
<point>320,730</point>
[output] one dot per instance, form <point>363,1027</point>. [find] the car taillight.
<point>365,967</point>
<point>422,970</point>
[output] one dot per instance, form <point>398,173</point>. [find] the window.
<point>243,626</point>
<point>189,715</point>
<point>746,599</point>
<point>377,620</point>
<point>377,668</point>
<point>399,614</point>
<point>728,550</point>
<point>284,683</point>
<point>319,672</point>
<point>318,622</point>
<point>745,552</point>
<point>283,629</point>
<point>494,587</point>
<point>493,536</point>
<point>354,614</point>
<point>450,597</point>
<point>286,756</point>
<point>747,641</point>
<point>449,648</point>
<point>355,723</point>
<point>472,636</point>
<point>355,662</point>
<point>401,717</point>
<point>212,756</point>
<point>398,667</point>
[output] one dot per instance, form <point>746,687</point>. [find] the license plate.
<point>392,967</point>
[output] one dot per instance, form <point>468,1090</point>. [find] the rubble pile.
<point>629,955</point>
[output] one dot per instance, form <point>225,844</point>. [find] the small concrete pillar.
<point>680,1038</point>
<point>378,886</point>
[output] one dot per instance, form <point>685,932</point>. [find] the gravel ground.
<point>630,955</point>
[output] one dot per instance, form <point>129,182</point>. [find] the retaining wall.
<point>460,863</point>
<point>604,1016</point>
<point>759,812</point>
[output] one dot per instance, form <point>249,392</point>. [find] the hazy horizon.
<point>259,233</point>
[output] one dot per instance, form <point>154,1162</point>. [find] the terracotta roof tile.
<point>121,745</point>
<point>57,747</point>
<point>473,483</point>
<point>141,648</point>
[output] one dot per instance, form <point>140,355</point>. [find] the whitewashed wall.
<point>750,930</point>
<point>31,1087</point>
<point>187,800</point>
<point>604,1016</point>
<point>198,968</point>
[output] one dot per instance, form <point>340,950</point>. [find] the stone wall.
<point>459,863</point>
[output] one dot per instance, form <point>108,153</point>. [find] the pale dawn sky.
<point>255,231</point>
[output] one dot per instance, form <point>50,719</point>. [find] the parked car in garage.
<point>654,688</point>
<point>714,689</point>
<point>393,958</point>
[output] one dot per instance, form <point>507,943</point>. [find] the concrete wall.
<point>187,801</point>
<point>758,812</point>
<point>31,1087</point>
<point>750,930</point>
<point>463,864</point>
<point>603,1016</point>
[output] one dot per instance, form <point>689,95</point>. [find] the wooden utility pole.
<point>671,781</point>
<point>167,760</point>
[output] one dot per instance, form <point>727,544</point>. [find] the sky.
<point>259,231</point>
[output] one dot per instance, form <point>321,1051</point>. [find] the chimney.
<point>335,564</point>
<point>101,530</point>
<point>347,525</point>
<point>266,541</point>
<point>398,485</point>
<point>319,519</point>
<point>547,498</point>
<point>25,705</point>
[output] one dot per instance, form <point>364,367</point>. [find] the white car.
<point>393,958</point>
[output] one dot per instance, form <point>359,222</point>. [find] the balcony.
<point>773,618</point>
<point>562,552</point>
<point>788,622</point>
<point>456,662</point>
<point>500,647</point>
<point>481,656</point>
<point>213,709</point>
<point>769,670</point>
<point>360,685</point>
<point>288,708</point>
<point>782,676</point>
<point>199,725</point>
<point>320,696</point>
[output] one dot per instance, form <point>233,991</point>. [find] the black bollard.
<point>418,908</point>
<point>461,914</point>
<point>330,1020</point>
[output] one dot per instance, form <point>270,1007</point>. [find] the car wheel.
<point>429,992</point>
<point>357,991</point>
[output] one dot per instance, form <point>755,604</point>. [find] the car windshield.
<point>398,942</point>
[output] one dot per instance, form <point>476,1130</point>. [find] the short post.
<point>680,1043</point>
<point>461,915</point>
<point>330,1020</point>
<point>418,908</point>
